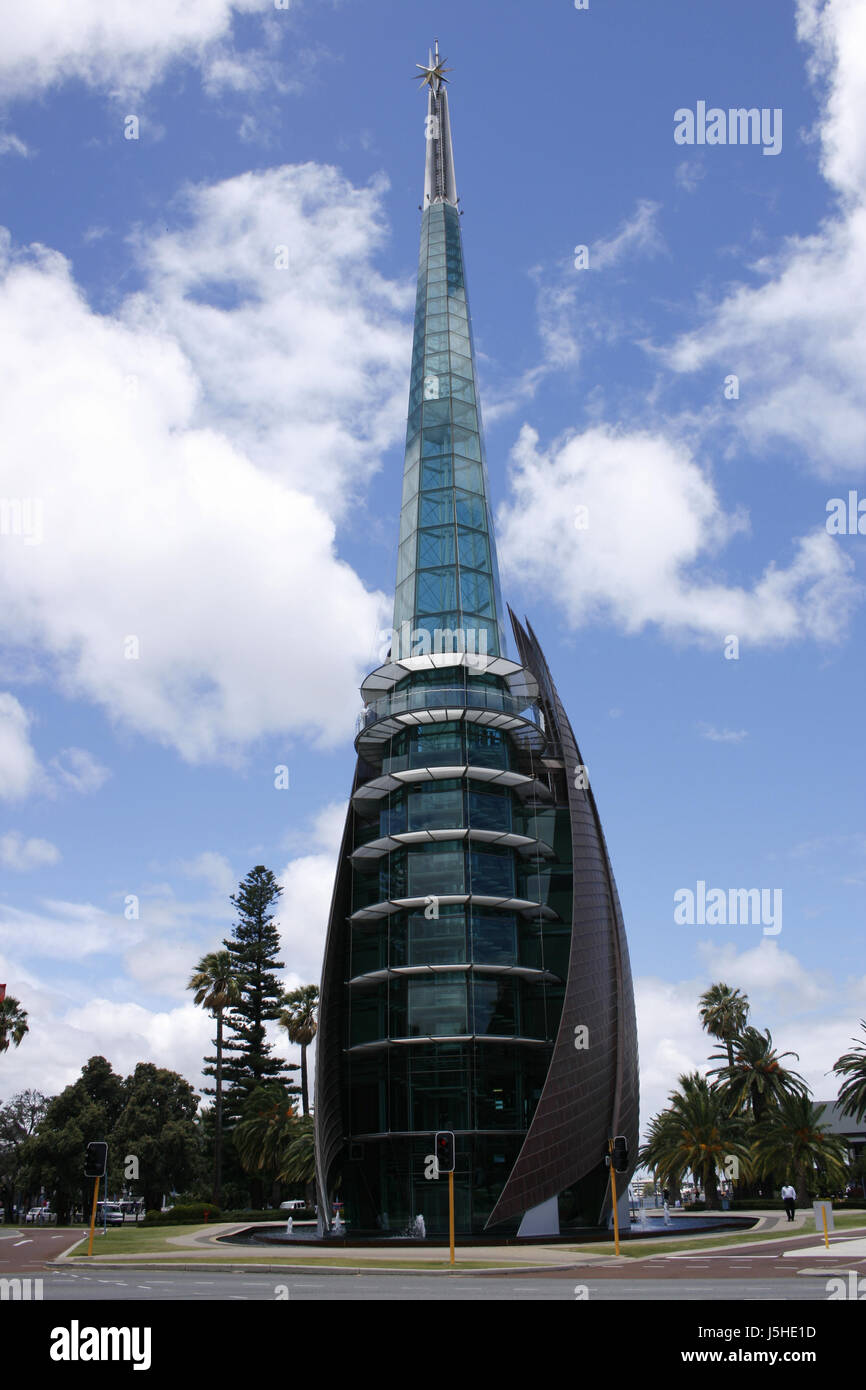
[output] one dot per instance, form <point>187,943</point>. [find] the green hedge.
<point>192,1215</point>
<point>776,1204</point>
<point>254,1217</point>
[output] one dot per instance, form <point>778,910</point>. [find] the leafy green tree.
<point>299,1020</point>
<point>53,1155</point>
<point>792,1142</point>
<point>852,1065</point>
<point>724,1012</point>
<point>217,989</point>
<point>756,1080</point>
<point>157,1126</point>
<point>13,1022</point>
<point>253,948</point>
<point>697,1134</point>
<point>19,1118</point>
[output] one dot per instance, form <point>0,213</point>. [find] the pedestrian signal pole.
<point>617,1160</point>
<point>96,1167</point>
<point>443,1148</point>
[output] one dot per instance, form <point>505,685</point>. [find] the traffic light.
<point>620,1153</point>
<point>444,1151</point>
<point>96,1160</point>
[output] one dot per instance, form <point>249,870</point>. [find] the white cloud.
<point>798,341</point>
<point>215,869</point>
<point>722,735</point>
<point>13,144</point>
<point>22,855</point>
<point>80,770</point>
<point>689,174</point>
<point>125,46</point>
<point>193,461</point>
<point>67,931</point>
<point>638,236</point>
<point>767,971</point>
<point>652,527</point>
<point>308,883</point>
<point>19,766</point>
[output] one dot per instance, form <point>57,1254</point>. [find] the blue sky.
<point>210,447</point>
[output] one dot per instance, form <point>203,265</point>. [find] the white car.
<point>39,1216</point>
<point>109,1214</point>
<point>296,1205</point>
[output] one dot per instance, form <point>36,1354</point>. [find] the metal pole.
<point>451,1214</point>
<point>613,1190</point>
<point>93,1215</point>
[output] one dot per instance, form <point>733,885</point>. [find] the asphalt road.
<point>153,1286</point>
<point>24,1249</point>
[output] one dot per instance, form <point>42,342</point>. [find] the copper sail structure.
<point>476,974</point>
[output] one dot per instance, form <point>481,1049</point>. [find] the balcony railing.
<point>438,697</point>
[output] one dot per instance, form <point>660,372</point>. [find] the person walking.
<point>789,1197</point>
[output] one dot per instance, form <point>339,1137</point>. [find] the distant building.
<point>476,974</point>
<point>846,1126</point>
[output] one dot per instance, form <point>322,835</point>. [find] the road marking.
<point>24,1242</point>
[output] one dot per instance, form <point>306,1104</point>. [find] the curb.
<point>200,1267</point>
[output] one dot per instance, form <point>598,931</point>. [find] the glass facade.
<point>474,921</point>
<point>447,575</point>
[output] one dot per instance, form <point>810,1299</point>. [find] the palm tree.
<point>723,1014</point>
<point>263,1137</point>
<point>299,1164</point>
<point>852,1094</point>
<point>756,1079</point>
<point>216,988</point>
<point>697,1133</point>
<point>792,1140</point>
<point>13,1022</point>
<point>299,1020</point>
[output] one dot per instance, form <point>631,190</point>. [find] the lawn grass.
<point>126,1240</point>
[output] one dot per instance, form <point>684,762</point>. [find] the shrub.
<point>191,1214</point>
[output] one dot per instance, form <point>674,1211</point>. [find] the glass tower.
<point>475,929</point>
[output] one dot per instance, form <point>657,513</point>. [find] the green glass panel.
<point>464,413</point>
<point>493,1008</point>
<point>410,483</point>
<point>436,472</point>
<point>436,547</point>
<point>468,474</point>
<point>471,511</point>
<point>436,942</point>
<point>476,593</point>
<point>436,868</point>
<point>406,560</point>
<point>494,938</point>
<point>436,508</point>
<point>437,412</point>
<point>438,1007</point>
<point>437,589</point>
<point>473,549</point>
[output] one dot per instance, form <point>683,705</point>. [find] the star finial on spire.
<point>433,71</point>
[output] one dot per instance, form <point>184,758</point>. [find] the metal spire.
<point>439,183</point>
